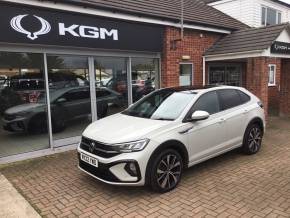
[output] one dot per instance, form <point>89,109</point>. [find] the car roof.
<point>200,89</point>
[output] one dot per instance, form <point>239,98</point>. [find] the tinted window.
<point>77,95</point>
<point>207,102</point>
<point>244,97</point>
<point>102,93</point>
<point>229,98</point>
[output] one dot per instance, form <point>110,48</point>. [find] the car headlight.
<point>132,146</point>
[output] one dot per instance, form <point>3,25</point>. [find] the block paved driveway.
<point>232,185</point>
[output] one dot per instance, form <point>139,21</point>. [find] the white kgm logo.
<point>16,25</point>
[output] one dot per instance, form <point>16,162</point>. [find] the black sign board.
<point>41,26</point>
<point>280,48</point>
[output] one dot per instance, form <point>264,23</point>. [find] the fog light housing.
<point>131,168</point>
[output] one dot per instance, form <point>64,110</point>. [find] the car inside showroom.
<point>56,77</point>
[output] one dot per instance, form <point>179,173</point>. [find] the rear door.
<point>235,112</point>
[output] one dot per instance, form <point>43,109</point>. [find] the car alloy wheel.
<point>164,170</point>
<point>169,171</point>
<point>252,139</point>
<point>255,139</point>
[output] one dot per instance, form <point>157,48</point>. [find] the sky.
<point>287,1</point>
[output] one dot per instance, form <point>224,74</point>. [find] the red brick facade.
<point>285,88</point>
<point>255,70</point>
<point>194,44</point>
<point>274,91</point>
<point>257,78</point>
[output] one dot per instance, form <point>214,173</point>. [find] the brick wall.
<point>274,92</point>
<point>257,79</point>
<point>194,44</point>
<point>285,88</point>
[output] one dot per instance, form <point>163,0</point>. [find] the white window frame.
<point>266,14</point>
<point>192,71</point>
<point>269,71</point>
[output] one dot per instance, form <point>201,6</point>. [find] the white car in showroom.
<point>169,130</point>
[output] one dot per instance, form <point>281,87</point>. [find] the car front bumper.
<point>115,170</point>
<point>17,125</point>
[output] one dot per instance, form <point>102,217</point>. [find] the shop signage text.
<point>41,26</point>
<point>74,30</point>
<point>280,48</point>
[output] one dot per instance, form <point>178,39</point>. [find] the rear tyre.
<point>165,171</point>
<point>253,139</point>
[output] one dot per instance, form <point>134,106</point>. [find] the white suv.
<point>171,129</point>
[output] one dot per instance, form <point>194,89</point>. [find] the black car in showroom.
<point>66,104</point>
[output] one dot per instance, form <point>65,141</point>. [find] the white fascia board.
<point>231,56</point>
<point>220,2</point>
<point>122,16</point>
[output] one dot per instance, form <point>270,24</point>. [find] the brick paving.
<point>232,185</point>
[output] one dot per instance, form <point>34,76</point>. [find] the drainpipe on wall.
<point>203,70</point>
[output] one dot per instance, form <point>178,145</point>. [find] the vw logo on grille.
<point>92,147</point>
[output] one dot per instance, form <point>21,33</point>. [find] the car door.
<point>235,115</point>
<point>206,137</point>
<point>77,102</point>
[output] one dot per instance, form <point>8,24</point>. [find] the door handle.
<point>222,120</point>
<point>245,111</point>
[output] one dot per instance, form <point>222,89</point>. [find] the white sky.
<point>287,1</point>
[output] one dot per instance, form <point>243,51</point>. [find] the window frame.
<point>274,76</point>
<point>221,102</point>
<point>191,75</point>
<point>189,113</point>
<point>264,21</point>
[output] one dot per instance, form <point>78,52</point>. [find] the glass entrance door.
<point>112,85</point>
<point>70,97</point>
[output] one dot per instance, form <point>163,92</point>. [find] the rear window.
<point>229,98</point>
<point>244,97</point>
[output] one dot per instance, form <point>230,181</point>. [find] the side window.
<point>244,97</point>
<point>229,98</point>
<point>207,102</point>
<point>102,93</point>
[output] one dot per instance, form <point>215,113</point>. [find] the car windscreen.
<point>161,105</point>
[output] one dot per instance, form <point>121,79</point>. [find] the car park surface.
<point>231,185</point>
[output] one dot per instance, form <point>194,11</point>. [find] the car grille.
<point>101,171</point>
<point>100,149</point>
<point>9,117</point>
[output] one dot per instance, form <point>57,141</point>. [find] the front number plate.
<point>90,160</point>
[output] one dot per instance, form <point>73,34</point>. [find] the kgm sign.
<point>74,30</point>
<point>30,25</point>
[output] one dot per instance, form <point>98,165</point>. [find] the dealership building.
<point>65,64</point>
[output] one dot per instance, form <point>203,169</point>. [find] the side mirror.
<point>199,115</point>
<point>60,100</point>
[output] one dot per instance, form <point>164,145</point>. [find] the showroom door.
<point>111,85</point>
<point>70,94</point>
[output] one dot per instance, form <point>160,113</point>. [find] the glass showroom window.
<point>145,76</point>
<point>69,92</point>
<point>272,75</point>
<point>23,108</point>
<point>270,16</point>
<point>111,83</point>
<point>225,75</point>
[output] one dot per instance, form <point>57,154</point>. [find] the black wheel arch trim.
<point>170,144</point>
<point>257,120</point>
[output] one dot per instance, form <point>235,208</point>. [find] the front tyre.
<point>165,171</point>
<point>252,139</point>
